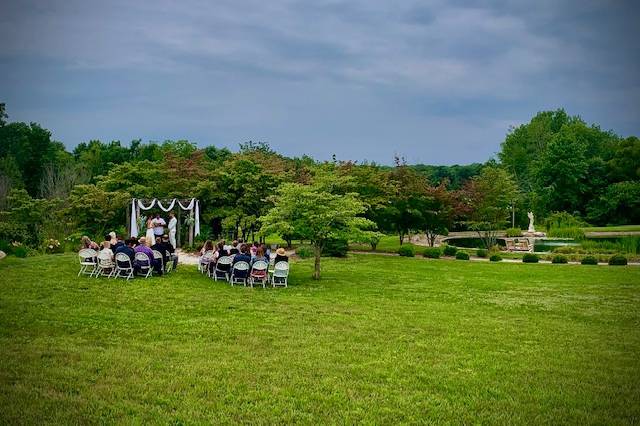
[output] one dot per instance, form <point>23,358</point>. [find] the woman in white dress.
<point>151,239</point>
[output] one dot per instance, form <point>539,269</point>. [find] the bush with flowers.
<point>52,246</point>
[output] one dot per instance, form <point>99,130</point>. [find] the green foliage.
<point>618,260</point>
<point>304,252</point>
<point>619,204</point>
<point>589,260</point>
<point>449,250</point>
<point>530,258</point>
<point>52,246</point>
<point>482,253</point>
<point>461,255</point>
<point>558,258</point>
<point>495,258</point>
<point>564,225</point>
<point>406,251</point>
<point>336,247</point>
<point>513,232</point>
<point>432,252</point>
<point>19,250</point>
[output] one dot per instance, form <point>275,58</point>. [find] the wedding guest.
<point>173,222</point>
<point>259,256</point>
<point>168,247</point>
<point>159,246</point>
<point>87,243</point>
<point>158,225</point>
<point>281,256</point>
<point>242,256</point>
<point>143,248</point>
<point>106,248</point>
<point>127,248</point>
<point>234,248</point>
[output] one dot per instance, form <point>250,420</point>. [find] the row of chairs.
<point>97,264</point>
<point>260,272</point>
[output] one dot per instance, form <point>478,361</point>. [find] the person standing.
<point>158,226</point>
<point>173,222</point>
<point>150,236</point>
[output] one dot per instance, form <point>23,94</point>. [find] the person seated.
<point>281,256</point>
<point>119,243</point>
<point>254,249</point>
<point>159,246</point>
<point>235,249</point>
<point>219,252</point>
<point>243,256</point>
<point>142,248</point>
<point>127,249</point>
<point>113,239</point>
<point>106,248</point>
<point>107,238</point>
<point>208,246</point>
<point>259,256</point>
<point>166,242</point>
<point>86,243</point>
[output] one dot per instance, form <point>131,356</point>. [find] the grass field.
<point>621,228</point>
<point>379,340</point>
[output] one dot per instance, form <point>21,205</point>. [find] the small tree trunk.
<point>316,271</point>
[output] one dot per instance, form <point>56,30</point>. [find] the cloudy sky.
<point>435,81</point>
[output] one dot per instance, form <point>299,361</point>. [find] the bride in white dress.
<point>150,237</point>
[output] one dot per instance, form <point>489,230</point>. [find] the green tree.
<point>3,114</point>
<point>618,205</point>
<point>317,216</point>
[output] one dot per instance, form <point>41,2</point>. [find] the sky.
<point>437,82</point>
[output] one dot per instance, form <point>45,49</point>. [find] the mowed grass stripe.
<point>379,340</point>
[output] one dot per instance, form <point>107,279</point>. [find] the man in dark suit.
<point>243,256</point>
<point>159,245</point>
<point>126,248</point>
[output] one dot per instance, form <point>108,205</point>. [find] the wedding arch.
<point>190,205</point>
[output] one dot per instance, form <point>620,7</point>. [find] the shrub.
<point>449,250</point>
<point>5,246</point>
<point>461,255</point>
<point>617,259</point>
<point>589,260</point>
<point>432,253</point>
<point>336,248</point>
<point>52,246</point>
<point>513,232</point>
<point>530,258</point>
<point>495,258</point>
<point>482,253</point>
<point>304,252</point>
<point>567,232</point>
<point>559,259</point>
<point>21,251</point>
<point>406,251</point>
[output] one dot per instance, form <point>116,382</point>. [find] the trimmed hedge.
<point>450,250</point>
<point>559,259</point>
<point>461,255</point>
<point>618,260</point>
<point>432,253</point>
<point>530,258</point>
<point>482,253</point>
<point>495,258</point>
<point>336,248</point>
<point>589,260</point>
<point>406,251</point>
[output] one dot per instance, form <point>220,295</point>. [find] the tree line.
<point>554,163</point>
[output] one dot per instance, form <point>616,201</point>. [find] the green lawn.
<point>379,340</point>
<point>621,228</point>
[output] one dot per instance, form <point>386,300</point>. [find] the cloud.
<point>227,71</point>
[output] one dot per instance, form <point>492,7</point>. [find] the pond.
<point>539,245</point>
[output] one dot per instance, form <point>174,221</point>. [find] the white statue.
<point>531,228</point>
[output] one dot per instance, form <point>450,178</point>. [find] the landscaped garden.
<point>380,339</point>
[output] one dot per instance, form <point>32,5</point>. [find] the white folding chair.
<point>106,266</point>
<point>88,261</point>
<point>240,266</point>
<point>280,274</point>
<point>144,264</point>
<point>158,255</point>
<point>221,271</point>
<point>169,266</point>
<point>205,259</point>
<point>259,273</point>
<point>124,267</point>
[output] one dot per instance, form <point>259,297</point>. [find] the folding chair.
<point>144,263</point>
<point>106,266</point>
<point>259,273</point>
<point>222,273</point>
<point>280,274</point>
<point>158,255</point>
<point>169,266</point>
<point>205,259</point>
<point>88,262</point>
<point>240,266</point>
<point>124,267</point>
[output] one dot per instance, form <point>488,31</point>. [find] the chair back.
<point>241,266</point>
<point>104,259</point>
<point>87,253</point>
<point>224,260</point>
<point>260,265</point>
<point>207,255</point>
<point>123,258</point>
<point>143,258</point>
<point>157,255</point>
<point>281,269</point>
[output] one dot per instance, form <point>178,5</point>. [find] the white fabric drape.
<point>137,202</point>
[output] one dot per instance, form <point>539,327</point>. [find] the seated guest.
<point>127,249</point>
<point>159,246</point>
<point>254,249</point>
<point>118,243</point>
<point>106,248</point>
<point>166,241</point>
<point>112,239</point>
<point>259,256</point>
<point>234,248</point>
<point>142,248</point>
<point>281,256</point>
<point>220,252</point>
<point>107,238</point>
<point>87,243</point>
<point>208,246</point>
<point>266,250</point>
<point>243,256</point>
